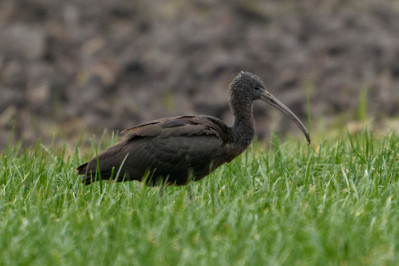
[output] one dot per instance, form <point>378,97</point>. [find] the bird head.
<point>247,86</point>
<point>250,87</point>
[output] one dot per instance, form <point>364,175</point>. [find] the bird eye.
<point>258,89</point>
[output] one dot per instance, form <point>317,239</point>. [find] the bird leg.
<point>190,192</point>
<point>190,179</point>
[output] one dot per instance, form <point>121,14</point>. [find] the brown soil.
<point>73,66</point>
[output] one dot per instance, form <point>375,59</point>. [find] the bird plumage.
<point>173,148</point>
<point>177,150</point>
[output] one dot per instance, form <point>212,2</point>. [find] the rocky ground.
<point>73,66</point>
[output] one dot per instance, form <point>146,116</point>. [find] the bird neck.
<point>244,125</point>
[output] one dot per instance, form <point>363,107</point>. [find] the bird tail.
<point>89,176</point>
<point>81,170</point>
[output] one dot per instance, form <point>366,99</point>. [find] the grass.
<point>285,204</point>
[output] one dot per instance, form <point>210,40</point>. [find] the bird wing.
<point>188,126</point>
<point>173,145</point>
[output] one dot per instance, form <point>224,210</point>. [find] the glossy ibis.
<point>176,150</point>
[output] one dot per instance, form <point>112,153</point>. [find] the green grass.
<point>334,203</point>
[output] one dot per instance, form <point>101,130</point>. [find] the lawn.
<point>279,203</point>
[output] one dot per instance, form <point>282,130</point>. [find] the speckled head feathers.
<point>246,79</point>
<point>247,84</point>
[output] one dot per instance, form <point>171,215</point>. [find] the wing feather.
<point>180,126</point>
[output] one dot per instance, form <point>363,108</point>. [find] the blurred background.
<point>68,67</point>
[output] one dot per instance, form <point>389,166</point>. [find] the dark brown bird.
<point>176,150</point>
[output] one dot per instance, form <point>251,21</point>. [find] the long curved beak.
<point>270,99</point>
